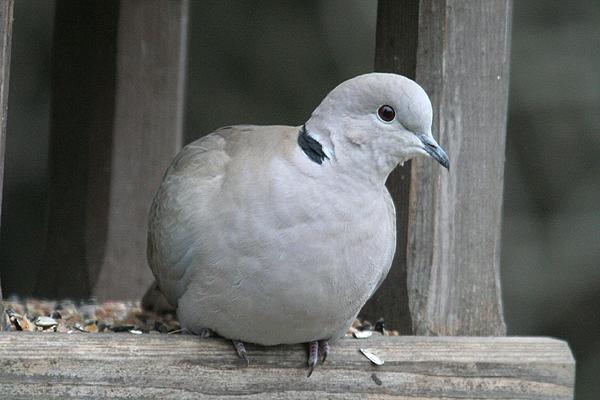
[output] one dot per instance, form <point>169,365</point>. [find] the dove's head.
<point>376,121</point>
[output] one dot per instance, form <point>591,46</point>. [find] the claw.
<point>241,351</point>
<point>319,349</point>
<point>313,357</point>
<point>205,333</point>
<point>323,350</point>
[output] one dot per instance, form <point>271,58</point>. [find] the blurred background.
<point>271,62</point>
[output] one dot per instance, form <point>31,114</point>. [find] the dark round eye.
<point>386,113</point>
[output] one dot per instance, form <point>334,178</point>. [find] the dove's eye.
<point>386,113</point>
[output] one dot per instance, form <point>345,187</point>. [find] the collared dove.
<point>280,234</point>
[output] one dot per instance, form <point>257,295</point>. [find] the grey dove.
<point>280,234</point>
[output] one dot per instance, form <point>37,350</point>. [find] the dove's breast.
<point>259,257</point>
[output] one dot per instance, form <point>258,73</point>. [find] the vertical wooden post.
<point>6,20</point>
<point>454,228</point>
<point>116,124</point>
<point>449,230</point>
<point>83,91</point>
<point>148,132</point>
<point>396,51</point>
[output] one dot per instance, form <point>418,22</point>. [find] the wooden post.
<point>83,73</point>
<point>455,216</point>
<point>396,51</point>
<point>4,323</point>
<point>449,231</point>
<point>125,366</point>
<point>148,133</point>
<point>6,21</point>
<point>116,124</point>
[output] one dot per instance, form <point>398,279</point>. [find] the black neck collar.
<point>311,147</point>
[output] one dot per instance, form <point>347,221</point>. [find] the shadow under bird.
<point>280,234</point>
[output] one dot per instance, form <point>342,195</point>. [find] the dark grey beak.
<point>435,151</point>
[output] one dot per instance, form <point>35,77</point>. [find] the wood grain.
<point>148,133</point>
<point>117,112</point>
<point>455,216</point>
<point>396,52</point>
<point>6,22</point>
<point>79,165</point>
<point>184,367</point>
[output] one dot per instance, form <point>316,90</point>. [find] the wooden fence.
<point>125,99</point>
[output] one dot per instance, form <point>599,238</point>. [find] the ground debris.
<point>86,316</point>
<point>72,316</point>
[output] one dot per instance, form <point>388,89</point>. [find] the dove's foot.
<point>241,350</point>
<point>205,333</point>
<point>317,349</point>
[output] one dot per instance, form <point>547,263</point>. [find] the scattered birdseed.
<point>73,316</point>
<point>77,316</point>
<point>45,322</point>
<point>376,379</point>
<point>372,357</point>
<point>362,334</point>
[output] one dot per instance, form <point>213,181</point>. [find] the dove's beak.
<point>435,151</point>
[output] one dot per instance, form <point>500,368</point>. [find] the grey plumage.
<point>266,236</point>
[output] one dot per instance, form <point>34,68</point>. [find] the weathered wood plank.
<point>184,367</point>
<point>6,21</point>
<point>453,275</point>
